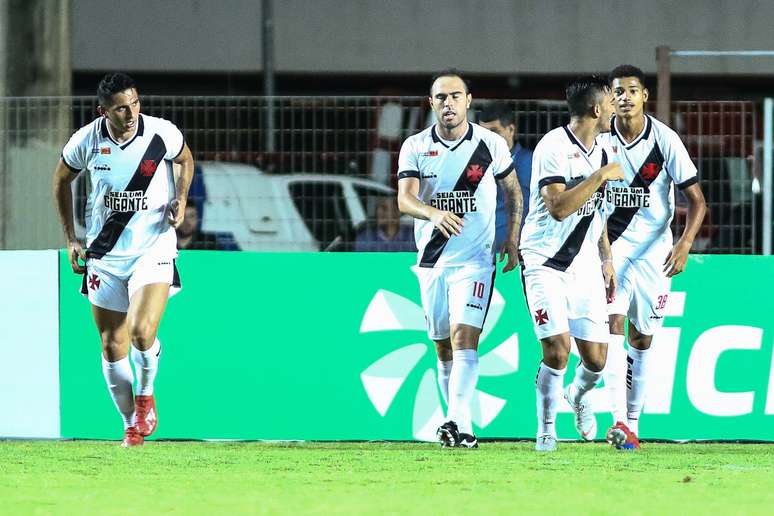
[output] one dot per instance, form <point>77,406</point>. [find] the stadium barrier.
<point>332,347</point>
<point>324,138</point>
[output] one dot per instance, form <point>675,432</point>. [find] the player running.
<point>132,212</point>
<point>653,160</point>
<point>447,183</point>
<point>567,269</point>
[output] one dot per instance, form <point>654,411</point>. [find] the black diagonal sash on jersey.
<point>648,172</point>
<point>572,246</point>
<point>435,246</point>
<point>117,221</point>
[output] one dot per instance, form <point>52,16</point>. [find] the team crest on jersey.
<point>649,171</point>
<point>430,154</point>
<point>148,167</point>
<point>104,150</point>
<point>474,174</point>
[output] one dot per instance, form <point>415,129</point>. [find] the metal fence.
<point>330,159</point>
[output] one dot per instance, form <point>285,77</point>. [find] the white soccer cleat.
<point>545,443</point>
<point>585,422</point>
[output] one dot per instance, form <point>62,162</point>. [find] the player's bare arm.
<point>697,208</point>
<point>63,199</point>
<point>408,202</point>
<point>513,206</point>
<point>608,272</point>
<point>182,184</point>
<point>562,202</point>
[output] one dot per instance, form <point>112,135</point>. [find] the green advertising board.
<point>333,347</point>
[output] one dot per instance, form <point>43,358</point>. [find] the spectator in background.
<point>387,234</point>
<point>501,118</point>
<point>190,236</point>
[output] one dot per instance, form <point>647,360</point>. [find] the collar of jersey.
<point>106,134</point>
<point>577,142</point>
<point>642,136</point>
<point>437,139</point>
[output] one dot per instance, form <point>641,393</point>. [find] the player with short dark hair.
<point>654,161</point>
<point>132,212</point>
<point>567,269</point>
<point>446,181</point>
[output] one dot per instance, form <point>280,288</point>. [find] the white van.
<point>273,212</point>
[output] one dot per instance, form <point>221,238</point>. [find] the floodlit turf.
<point>382,478</point>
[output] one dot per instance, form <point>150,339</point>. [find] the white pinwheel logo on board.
<point>383,379</point>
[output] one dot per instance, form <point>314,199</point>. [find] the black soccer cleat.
<point>467,441</point>
<point>448,434</point>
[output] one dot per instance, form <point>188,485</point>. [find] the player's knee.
<point>595,361</point>
<point>112,348</point>
<point>555,356</point>
<point>143,333</point>
<point>640,341</point>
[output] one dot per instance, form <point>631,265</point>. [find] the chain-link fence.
<point>318,182</point>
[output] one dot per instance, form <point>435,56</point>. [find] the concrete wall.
<point>488,36</point>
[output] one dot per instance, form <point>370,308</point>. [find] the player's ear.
<point>470,99</point>
<point>430,101</point>
<point>645,94</point>
<point>100,110</point>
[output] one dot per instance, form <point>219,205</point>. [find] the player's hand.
<point>612,172</point>
<point>447,222</point>
<point>677,258</point>
<point>75,253</point>
<point>512,250</point>
<point>176,212</point>
<point>608,272</point>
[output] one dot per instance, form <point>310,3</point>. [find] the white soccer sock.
<point>462,383</point>
<point>146,365</point>
<point>615,377</point>
<point>584,381</point>
<point>444,370</point>
<point>118,376</point>
<point>548,388</point>
<point>635,381</point>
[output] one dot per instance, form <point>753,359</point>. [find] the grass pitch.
<point>382,478</point>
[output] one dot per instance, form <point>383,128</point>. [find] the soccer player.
<point>446,182</point>
<point>567,269</point>
<point>654,160</point>
<point>132,212</point>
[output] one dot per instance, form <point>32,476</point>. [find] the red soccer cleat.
<point>145,414</point>
<point>622,438</point>
<point>132,438</point>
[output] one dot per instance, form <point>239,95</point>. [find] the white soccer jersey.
<point>132,184</point>
<point>459,178</point>
<point>643,204</point>
<point>561,158</point>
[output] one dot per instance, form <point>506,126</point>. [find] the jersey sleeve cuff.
<point>504,173</point>
<point>182,146</point>
<point>687,183</point>
<point>551,180</point>
<point>408,173</point>
<point>73,169</point>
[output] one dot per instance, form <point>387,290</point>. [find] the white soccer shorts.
<point>641,294</point>
<point>111,284</point>
<point>566,302</point>
<point>454,295</point>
